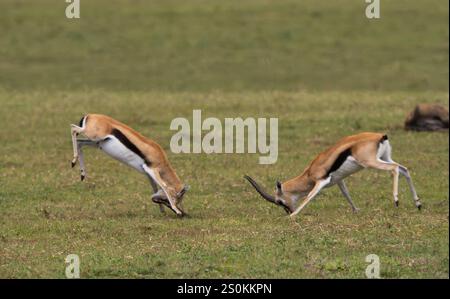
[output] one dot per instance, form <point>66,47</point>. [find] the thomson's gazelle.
<point>128,146</point>
<point>346,157</point>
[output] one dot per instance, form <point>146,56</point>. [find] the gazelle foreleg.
<point>74,131</point>
<point>80,144</point>
<point>82,166</point>
<point>154,174</point>
<point>317,187</point>
<point>344,191</point>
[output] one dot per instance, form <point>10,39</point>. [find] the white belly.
<point>114,148</point>
<point>347,168</point>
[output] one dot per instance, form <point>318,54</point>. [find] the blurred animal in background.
<point>427,117</point>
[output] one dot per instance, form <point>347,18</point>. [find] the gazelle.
<point>347,156</point>
<point>128,146</point>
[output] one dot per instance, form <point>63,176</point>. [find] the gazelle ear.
<point>279,191</point>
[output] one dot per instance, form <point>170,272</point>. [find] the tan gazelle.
<point>128,146</point>
<point>347,156</point>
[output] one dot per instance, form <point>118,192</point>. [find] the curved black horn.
<point>258,188</point>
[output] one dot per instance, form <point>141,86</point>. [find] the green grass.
<point>321,67</point>
<point>233,45</point>
<point>110,222</point>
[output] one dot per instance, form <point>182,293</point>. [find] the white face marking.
<point>114,148</point>
<point>347,168</point>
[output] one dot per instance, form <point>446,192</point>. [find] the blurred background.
<point>233,45</point>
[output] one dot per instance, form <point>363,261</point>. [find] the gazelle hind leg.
<point>317,187</point>
<point>388,166</point>
<point>344,191</point>
<point>404,171</point>
<point>155,176</point>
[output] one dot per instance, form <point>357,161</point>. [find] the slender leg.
<point>155,191</point>
<point>161,208</point>
<point>155,176</point>
<point>74,131</point>
<point>396,173</point>
<point>346,194</point>
<point>386,157</point>
<point>153,184</point>
<point>388,166</point>
<point>80,144</point>
<point>82,167</point>
<point>319,185</point>
<point>404,171</point>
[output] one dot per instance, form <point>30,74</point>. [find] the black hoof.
<point>83,177</point>
<point>73,164</point>
<point>419,207</point>
<point>396,204</point>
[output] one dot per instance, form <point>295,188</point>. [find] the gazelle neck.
<point>299,185</point>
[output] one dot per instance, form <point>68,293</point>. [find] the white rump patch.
<point>116,149</point>
<point>384,151</point>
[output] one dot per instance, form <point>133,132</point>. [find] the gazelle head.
<point>280,199</point>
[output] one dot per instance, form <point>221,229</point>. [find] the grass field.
<point>109,220</point>
<point>320,66</point>
<point>203,45</point>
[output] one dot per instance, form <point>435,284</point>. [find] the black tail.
<point>82,121</point>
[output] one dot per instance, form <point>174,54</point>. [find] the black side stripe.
<point>339,161</point>
<point>131,146</point>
